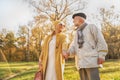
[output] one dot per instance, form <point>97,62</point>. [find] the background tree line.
<point>26,44</point>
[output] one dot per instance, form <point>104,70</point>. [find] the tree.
<point>51,10</point>
<point>9,46</point>
<point>24,39</point>
<point>111,31</point>
<point>57,9</point>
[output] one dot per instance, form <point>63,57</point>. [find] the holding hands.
<point>65,54</point>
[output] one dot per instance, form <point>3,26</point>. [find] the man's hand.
<point>100,61</point>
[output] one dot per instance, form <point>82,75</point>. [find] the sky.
<point>93,7</point>
<point>17,12</point>
<point>14,13</point>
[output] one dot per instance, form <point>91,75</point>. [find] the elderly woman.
<point>51,59</point>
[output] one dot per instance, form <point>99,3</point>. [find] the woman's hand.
<point>40,65</point>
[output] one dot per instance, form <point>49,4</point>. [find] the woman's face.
<point>59,27</point>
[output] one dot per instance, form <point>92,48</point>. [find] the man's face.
<point>78,21</point>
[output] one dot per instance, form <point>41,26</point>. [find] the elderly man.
<point>89,47</point>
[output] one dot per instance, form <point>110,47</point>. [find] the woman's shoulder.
<point>62,35</point>
<point>46,38</point>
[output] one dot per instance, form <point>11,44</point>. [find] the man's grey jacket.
<point>94,47</point>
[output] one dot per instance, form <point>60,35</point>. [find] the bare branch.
<point>66,4</point>
<point>65,16</point>
<point>55,11</point>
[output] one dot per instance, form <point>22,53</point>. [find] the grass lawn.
<point>26,70</point>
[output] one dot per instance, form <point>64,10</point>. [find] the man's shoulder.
<point>92,27</point>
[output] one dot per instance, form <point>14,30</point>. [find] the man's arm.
<point>71,49</point>
<point>101,44</point>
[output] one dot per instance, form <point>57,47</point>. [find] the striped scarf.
<point>80,35</point>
